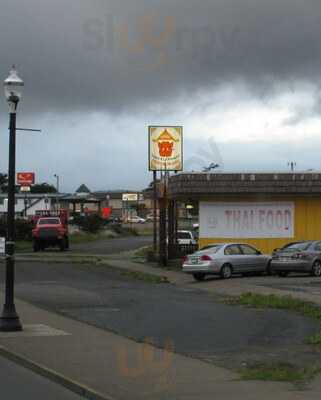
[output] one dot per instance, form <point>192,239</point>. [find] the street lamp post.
<point>9,320</point>
<point>57,187</point>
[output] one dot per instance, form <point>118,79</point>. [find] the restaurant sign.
<point>247,220</point>
<point>165,148</point>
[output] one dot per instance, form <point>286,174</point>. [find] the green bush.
<point>124,231</point>
<point>23,229</point>
<point>92,223</point>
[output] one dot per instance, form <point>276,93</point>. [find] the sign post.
<point>25,190</point>
<point>165,155</point>
<point>2,246</point>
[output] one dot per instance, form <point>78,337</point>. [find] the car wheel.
<point>199,277</point>
<point>316,268</point>
<point>62,245</point>
<point>226,271</point>
<point>35,246</point>
<point>283,274</point>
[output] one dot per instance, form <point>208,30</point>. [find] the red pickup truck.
<point>50,231</point>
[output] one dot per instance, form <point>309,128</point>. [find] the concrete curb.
<point>54,376</point>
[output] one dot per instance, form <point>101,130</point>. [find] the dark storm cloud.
<point>122,55</point>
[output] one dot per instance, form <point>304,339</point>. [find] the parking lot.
<point>301,286</point>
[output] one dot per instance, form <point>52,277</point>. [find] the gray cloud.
<point>140,62</point>
<point>120,55</point>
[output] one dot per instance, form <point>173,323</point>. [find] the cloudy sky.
<point>242,76</point>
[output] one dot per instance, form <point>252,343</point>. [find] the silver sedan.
<point>224,259</point>
<point>298,257</point>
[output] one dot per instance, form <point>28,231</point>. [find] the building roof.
<point>202,184</point>
<point>21,195</point>
<point>113,194</point>
<point>83,189</point>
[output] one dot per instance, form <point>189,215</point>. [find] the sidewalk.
<point>103,365</point>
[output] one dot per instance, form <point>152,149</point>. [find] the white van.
<point>185,237</point>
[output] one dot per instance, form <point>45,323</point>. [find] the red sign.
<point>106,212</point>
<point>25,178</point>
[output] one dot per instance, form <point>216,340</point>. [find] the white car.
<point>225,259</point>
<point>136,220</point>
<point>185,237</point>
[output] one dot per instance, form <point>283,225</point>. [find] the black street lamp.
<point>9,320</point>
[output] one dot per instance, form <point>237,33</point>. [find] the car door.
<point>235,257</point>
<point>253,259</point>
<point>315,250</point>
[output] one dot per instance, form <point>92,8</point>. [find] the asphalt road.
<point>111,246</point>
<point>191,320</point>
<point>18,383</point>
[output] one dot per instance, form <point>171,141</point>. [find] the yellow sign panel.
<point>165,148</point>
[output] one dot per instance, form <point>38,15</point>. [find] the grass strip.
<point>145,277</point>
<point>314,340</point>
<point>288,303</point>
<point>277,302</point>
<point>279,372</point>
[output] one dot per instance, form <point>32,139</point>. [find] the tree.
<point>43,188</point>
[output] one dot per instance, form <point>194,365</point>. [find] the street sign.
<point>25,178</point>
<point>130,197</point>
<point>25,189</point>
<point>2,245</point>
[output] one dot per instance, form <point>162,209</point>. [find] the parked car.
<point>303,256</point>
<point>150,217</point>
<point>136,220</point>
<point>50,232</point>
<point>185,237</point>
<point>285,246</point>
<point>226,259</point>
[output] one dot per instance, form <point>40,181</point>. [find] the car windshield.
<point>183,235</point>
<point>298,247</point>
<point>49,221</point>
<point>214,248</point>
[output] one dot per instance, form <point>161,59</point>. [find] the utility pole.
<point>57,194</point>
<point>292,165</point>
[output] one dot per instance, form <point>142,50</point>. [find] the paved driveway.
<point>301,286</point>
<point>111,246</point>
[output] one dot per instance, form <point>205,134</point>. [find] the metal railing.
<point>181,250</point>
